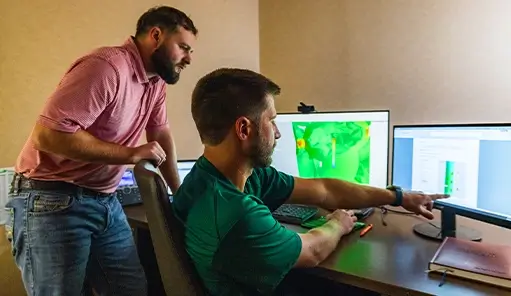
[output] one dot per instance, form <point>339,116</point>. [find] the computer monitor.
<point>351,146</point>
<point>470,162</point>
<point>128,178</point>
<point>184,167</point>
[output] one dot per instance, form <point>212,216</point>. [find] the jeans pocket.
<point>48,203</point>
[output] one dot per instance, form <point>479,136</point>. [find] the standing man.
<point>66,222</point>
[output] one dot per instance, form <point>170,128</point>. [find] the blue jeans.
<point>59,239</point>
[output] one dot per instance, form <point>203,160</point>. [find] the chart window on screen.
<point>470,163</point>
<point>351,146</point>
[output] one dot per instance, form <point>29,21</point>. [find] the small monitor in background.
<point>184,167</point>
<point>128,179</point>
<point>471,163</point>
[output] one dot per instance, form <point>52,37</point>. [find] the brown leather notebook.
<point>479,261</point>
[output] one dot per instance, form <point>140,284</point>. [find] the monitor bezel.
<point>187,160</point>
<point>467,212</point>
<point>194,161</point>
<point>387,111</point>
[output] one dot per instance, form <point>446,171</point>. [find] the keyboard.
<point>299,214</point>
<point>294,214</point>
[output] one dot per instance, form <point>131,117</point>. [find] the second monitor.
<point>468,162</point>
<point>351,146</point>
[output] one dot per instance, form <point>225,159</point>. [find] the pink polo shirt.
<point>108,94</point>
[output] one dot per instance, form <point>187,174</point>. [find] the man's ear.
<point>243,127</point>
<point>157,35</point>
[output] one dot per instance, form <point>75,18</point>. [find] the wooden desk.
<point>391,259</point>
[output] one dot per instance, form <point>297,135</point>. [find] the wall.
<point>428,61</point>
<point>41,38</point>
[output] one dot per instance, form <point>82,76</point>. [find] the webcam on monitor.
<point>302,108</point>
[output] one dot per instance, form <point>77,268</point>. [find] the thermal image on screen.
<point>338,150</point>
<point>454,177</point>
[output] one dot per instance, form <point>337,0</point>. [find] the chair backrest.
<point>177,272</point>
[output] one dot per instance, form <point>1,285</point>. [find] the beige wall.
<point>41,38</point>
<point>44,37</point>
<point>426,60</point>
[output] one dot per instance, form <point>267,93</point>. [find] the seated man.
<point>226,200</point>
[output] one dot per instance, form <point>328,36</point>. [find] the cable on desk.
<point>385,211</point>
<point>444,274</point>
<point>442,281</point>
<point>396,211</point>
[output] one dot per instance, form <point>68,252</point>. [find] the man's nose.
<point>187,59</point>
<point>277,134</point>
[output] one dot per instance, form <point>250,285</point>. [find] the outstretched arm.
<point>337,194</point>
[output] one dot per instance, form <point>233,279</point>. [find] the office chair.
<point>177,272</point>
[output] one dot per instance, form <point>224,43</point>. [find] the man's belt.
<point>20,182</point>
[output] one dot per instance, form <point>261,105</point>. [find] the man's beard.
<point>164,66</point>
<point>260,153</point>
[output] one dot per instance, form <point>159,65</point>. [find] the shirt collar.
<point>204,164</point>
<point>137,63</point>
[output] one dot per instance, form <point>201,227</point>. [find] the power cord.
<point>384,211</point>
<point>444,272</point>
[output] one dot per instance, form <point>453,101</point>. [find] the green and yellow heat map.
<point>333,150</point>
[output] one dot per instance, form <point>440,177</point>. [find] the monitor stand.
<point>447,227</point>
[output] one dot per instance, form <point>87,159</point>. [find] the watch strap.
<point>399,195</point>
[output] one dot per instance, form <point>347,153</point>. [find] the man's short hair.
<point>166,18</point>
<point>226,94</point>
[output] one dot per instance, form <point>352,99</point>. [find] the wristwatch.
<point>399,195</point>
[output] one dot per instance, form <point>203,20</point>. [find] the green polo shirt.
<point>237,246</point>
